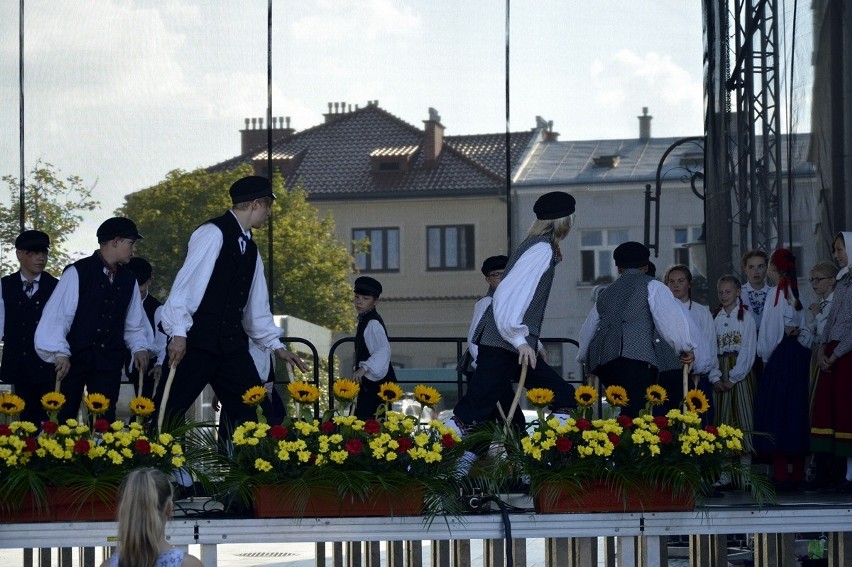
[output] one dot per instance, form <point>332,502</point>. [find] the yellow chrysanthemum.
<point>696,401</point>
<point>141,406</point>
<point>345,390</point>
<point>540,397</point>
<point>426,395</point>
<point>97,403</point>
<point>254,396</point>
<point>585,396</point>
<point>52,401</point>
<point>617,396</point>
<point>390,392</point>
<point>656,395</point>
<point>10,404</point>
<point>303,392</point>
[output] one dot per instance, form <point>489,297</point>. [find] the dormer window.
<point>607,161</point>
<point>392,159</point>
<point>284,162</point>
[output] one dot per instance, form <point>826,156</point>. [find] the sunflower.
<point>97,403</point>
<point>617,396</point>
<point>52,401</point>
<point>696,401</point>
<point>141,406</point>
<point>254,396</point>
<point>426,395</point>
<point>390,392</point>
<point>10,404</point>
<point>656,395</point>
<point>303,392</point>
<point>345,390</point>
<point>585,396</point>
<point>540,397</point>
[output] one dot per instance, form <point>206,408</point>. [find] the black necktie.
<point>28,288</point>
<point>822,305</point>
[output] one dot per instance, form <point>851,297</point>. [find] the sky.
<point>120,92</point>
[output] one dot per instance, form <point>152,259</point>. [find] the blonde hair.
<point>559,228</point>
<point>826,269</point>
<point>143,509</point>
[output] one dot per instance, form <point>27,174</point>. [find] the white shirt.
<point>702,316</point>
<point>479,310</point>
<point>380,352</point>
<point>59,312</point>
<point>513,296</point>
<point>756,313</point>
<point>812,331</point>
<point>775,319</point>
<point>160,338</point>
<point>191,281</point>
<point>733,335</point>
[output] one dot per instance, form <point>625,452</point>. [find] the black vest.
<point>150,304</point>
<point>361,351</point>
<point>97,332</point>
<point>217,324</point>
<point>22,316</point>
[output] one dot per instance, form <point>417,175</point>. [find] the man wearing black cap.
<point>372,349</point>
<point>508,333</point>
<point>219,301</point>
<point>22,300</point>
<point>620,341</point>
<point>143,271</point>
<point>92,316</point>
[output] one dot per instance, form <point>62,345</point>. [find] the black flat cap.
<point>365,285</point>
<point>554,205</point>
<point>250,188</point>
<point>631,255</point>
<point>34,240</point>
<point>652,269</point>
<point>141,268</point>
<point>494,263</point>
<point>118,227</point>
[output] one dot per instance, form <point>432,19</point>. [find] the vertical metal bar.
<point>440,553</point>
<point>319,554</point>
<point>414,553</point>
<point>23,211</point>
<point>461,553</point>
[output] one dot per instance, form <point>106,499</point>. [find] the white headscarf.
<point>847,241</point>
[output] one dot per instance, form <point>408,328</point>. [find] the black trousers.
<point>31,391</point>
<point>96,381</point>
<point>368,400</point>
<point>634,376</point>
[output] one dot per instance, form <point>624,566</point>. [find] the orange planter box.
<point>555,498</point>
<point>282,501</point>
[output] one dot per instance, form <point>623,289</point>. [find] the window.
<point>596,247</point>
<point>683,236</point>
<point>382,249</point>
<point>449,247</point>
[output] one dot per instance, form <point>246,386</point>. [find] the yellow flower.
<point>426,395</point>
<point>52,401</point>
<point>390,392</point>
<point>585,395</point>
<point>656,395</point>
<point>10,404</point>
<point>697,401</point>
<point>254,395</point>
<point>262,465</point>
<point>540,397</point>
<point>97,403</point>
<point>617,396</point>
<point>141,406</point>
<point>346,390</point>
<point>303,392</point>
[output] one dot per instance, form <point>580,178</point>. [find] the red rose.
<point>101,425</point>
<point>447,440</point>
<point>277,432</point>
<point>665,436</point>
<point>625,421</point>
<point>5,431</point>
<point>584,424</point>
<point>711,429</point>
<point>614,439</point>
<point>327,427</point>
<point>49,427</point>
<point>30,445</point>
<point>564,445</point>
<point>404,444</point>
<point>143,447</point>
<point>661,421</point>
<point>372,427</point>
<point>82,446</point>
<point>354,446</point>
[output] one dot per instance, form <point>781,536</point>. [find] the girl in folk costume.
<point>781,406</point>
<point>736,339</point>
<point>831,427</point>
<point>823,277</point>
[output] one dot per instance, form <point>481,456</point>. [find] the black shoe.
<point>844,487</point>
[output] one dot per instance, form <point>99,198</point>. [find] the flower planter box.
<point>63,505</point>
<point>29,510</point>
<point>283,501</point>
<point>555,498</point>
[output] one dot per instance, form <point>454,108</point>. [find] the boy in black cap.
<point>372,348</point>
<point>620,339</point>
<point>152,306</point>
<point>22,299</point>
<point>218,302</point>
<point>93,315</point>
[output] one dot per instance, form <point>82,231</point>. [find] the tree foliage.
<point>52,204</point>
<point>311,267</point>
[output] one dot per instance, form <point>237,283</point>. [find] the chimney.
<point>433,139</point>
<point>255,135</point>
<point>644,125</point>
<point>546,127</point>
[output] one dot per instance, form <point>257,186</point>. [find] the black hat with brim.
<point>33,240</point>
<point>631,255</point>
<point>250,188</point>
<point>494,263</point>
<point>118,227</point>
<point>141,268</point>
<point>365,285</point>
<point>554,205</point>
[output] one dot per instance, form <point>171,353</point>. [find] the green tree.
<point>53,204</point>
<point>311,266</point>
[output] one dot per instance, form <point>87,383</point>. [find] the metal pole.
<point>23,211</point>
<point>269,239</point>
<point>508,145</point>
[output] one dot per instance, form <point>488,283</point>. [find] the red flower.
<point>278,432</point>
<point>142,446</point>
<point>328,427</point>
<point>5,430</point>
<point>101,425</point>
<point>30,445</point>
<point>584,424</point>
<point>614,439</point>
<point>564,445</point>
<point>354,446</point>
<point>665,436</point>
<point>372,426</point>
<point>625,421</point>
<point>404,444</point>
<point>661,421</point>
<point>49,427</point>
<point>447,440</point>
<point>711,429</point>
<point>82,446</point>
